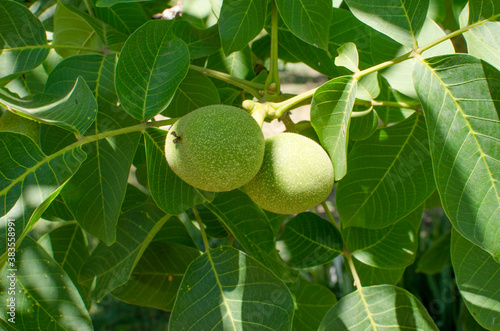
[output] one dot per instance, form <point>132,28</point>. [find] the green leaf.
<point>363,127</point>
<point>175,232</point>
<point>238,64</point>
<point>330,114</point>
<point>201,43</point>
<point>171,193</point>
<point>109,3</point>
<point>312,302</point>
<point>458,94</point>
<point>67,245</point>
<point>390,115</point>
<point>151,66</point>
<point>195,91</point>
<point>390,175</point>
<point>377,308</point>
<point>74,28</point>
<point>483,41</point>
<point>436,257</point>
<point>309,240</point>
<point>21,46</point>
<point>29,178</point>
<point>226,289</point>
<point>74,110</point>
<point>125,17</point>
<point>368,87</point>
<point>308,20</point>
<point>240,21</point>
<point>348,57</point>
<point>250,227</point>
<point>111,266</point>
<point>370,275</point>
<point>158,275</point>
<point>96,192</point>
<point>213,227</point>
<point>399,75</point>
<point>399,19</point>
<point>45,296</point>
<point>478,279</point>
<point>483,10</point>
<point>392,247</point>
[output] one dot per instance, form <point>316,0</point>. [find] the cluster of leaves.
<point>404,118</point>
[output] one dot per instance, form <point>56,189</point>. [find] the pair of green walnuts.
<point>220,148</point>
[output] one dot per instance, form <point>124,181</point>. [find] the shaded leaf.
<point>171,193</point>
<point>370,275</point>
<point>174,232</point>
<point>309,240</point>
<point>195,91</point>
<point>330,116</point>
<point>308,20</point>
<point>239,22</point>
<point>459,96</point>
<point>363,127</point>
<point>151,66</point>
<point>74,110</point>
<point>436,257</point>
<point>125,17</point>
<point>67,245</point>
<point>482,10</point>
<point>399,19</point>
<point>392,247</point>
<point>250,227</point>
<point>238,64</point>
<point>108,3</point>
<point>225,288</point>
<point>389,176</point>
<point>200,43</point>
<point>21,48</point>
<point>96,192</point>
<point>111,266</point>
<point>478,279</point>
<point>312,302</point>
<point>378,307</point>
<point>73,27</point>
<point>42,302</point>
<point>158,275</point>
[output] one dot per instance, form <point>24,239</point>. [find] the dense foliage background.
<point>94,221</point>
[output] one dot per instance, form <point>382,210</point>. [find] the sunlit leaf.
<point>21,49</point>
<point>399,19</point>
<point>225,288</point>
<point>378,307</point>
<point>45,296</point>
<point>459,96</point>
<point>370,275</point>
<point>330,114</point>
<point>389,176</point>
<point>478,279</point>
<point>74,110</point>
<point>67,245</point>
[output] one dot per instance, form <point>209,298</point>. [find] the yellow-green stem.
<point>251,87</point>
<point>272,85</point>
<point>202,229</point>
<point>329,215</point>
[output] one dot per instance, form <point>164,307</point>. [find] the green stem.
<point>202,229</point>
<point>283,106</point>
<point>329,215</point>
<point>361,113</point>
<point>382,65</point>
<point>251,87</point>
<point>90,8</point>
<point>272,85</point>
<point>395,104</point>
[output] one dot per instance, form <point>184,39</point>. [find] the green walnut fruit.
<point>296,175</point>
<point>215,148</point>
